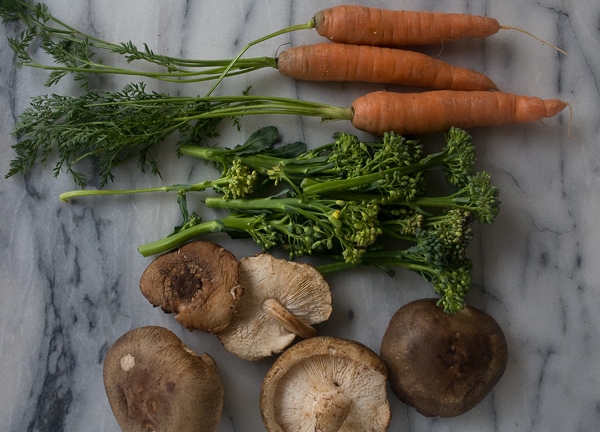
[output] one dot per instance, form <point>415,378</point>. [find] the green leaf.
<point>261,140</point>
<point>290,150</point>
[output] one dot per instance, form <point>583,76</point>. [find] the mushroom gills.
<point>326,384</point>
<point>331,410</point>
<point>282,300</point>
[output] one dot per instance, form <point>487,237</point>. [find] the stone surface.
<point>69,272</point>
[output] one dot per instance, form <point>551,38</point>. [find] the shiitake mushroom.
<point>443,364</point>
<point>198,282</point>
<point>154,382</point>
<point>326,384</point>
<point>282,300</point>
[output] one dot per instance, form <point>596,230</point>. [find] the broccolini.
<point>345,201</point>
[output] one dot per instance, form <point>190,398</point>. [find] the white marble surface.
<point>69,272</point>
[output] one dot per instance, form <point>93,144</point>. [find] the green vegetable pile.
<point>355,203</point>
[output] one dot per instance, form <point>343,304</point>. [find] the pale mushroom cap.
<point>154,382</point>
<point>326,383</point>
<point>254,333</point>
<point>198,282</point>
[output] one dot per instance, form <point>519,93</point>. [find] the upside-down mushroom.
<point>198,282</point>
<point>282,299</point>
<point>443,364</point>
<point>154,382</point>
<point>326,384</point>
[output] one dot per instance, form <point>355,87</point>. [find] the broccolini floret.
<point>401,181</point>
<point>240,181</point>
<point>457,157</point>
<point>237,181</point>
<point>478,196</point>
<point>347,226</point>
<point>450,283</point>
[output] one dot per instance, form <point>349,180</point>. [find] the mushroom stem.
<point>288,320</point>
<point>331,410</point>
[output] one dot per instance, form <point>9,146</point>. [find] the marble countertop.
<point>70,272</point>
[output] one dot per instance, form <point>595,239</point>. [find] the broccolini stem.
<point>451,284</point>
<point>264,164</point>
<point>66,196</point>
<point>180,238</point>
<point>383,258</point>
<point>227,223</point>
<point>284,205</point>
<point>181,188</point>
<point>314,188</point>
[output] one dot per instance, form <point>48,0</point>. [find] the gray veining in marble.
<point>69,273</point>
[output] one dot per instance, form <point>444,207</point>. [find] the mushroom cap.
<point>154,382</point>
<point>198,282</point>
<point>443,364</point>
<point>326,384</point>
<point>281,300</point>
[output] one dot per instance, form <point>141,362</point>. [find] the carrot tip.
<point>554,106</point>
<point>535,37</point>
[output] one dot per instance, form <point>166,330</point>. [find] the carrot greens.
<point>114,127</point>
<point>80,54</point>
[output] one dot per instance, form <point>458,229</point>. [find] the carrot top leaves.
<point>110,127</point>
<point>113,127</point>
<point>80,54</point>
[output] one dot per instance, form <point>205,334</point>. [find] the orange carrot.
<point>342,62</point>
<point>363,25</point>
<point>437,111</point>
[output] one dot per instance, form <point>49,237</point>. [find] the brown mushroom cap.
<point>156,383</point>
<point>198,282</point>
<point>281,300</point>
<point>326,384</point>
<point>443,364</point>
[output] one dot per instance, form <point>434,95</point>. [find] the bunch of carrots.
<point>367,47</point>
<point>364,45</point>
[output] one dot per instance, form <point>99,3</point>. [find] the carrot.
<point>342,62</point>
<point>361,25</point>
<point>437,111</point>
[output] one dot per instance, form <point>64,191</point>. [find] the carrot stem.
<point>236,106</point>
<point>306,26</point>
